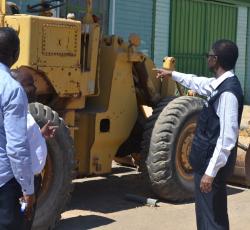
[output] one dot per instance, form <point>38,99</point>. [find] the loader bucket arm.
<point>147,86</point>
<point>150,90</point>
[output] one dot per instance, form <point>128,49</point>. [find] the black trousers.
<point>211,208</point>
<point>37,184</point>
<point>11,217</point>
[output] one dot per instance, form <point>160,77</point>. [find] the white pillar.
<point>112,17</point>
<point>241,41</point>
<point>161,30</point>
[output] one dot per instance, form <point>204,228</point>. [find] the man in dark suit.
<point>213,151</point>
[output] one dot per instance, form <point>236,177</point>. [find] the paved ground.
<point>99,203</point>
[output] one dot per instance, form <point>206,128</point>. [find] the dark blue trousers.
<point>37,184</point>
<point>211,208</point>
<point>10,215</point>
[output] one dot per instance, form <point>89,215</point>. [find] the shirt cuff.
<point>28,189</point>
<point>211,170</point>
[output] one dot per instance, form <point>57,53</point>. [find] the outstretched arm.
<point>200,85</point>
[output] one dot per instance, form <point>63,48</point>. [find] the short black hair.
<point>9,43</point>
<point>227,53</point>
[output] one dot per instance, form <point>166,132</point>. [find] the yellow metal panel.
<point>26,27</point>
<point>105,73</point>
<point>168,86</point>
<point>47,41</point>
<point>84,138</point>
<point>62,77</point>
<point>54,46</point>
<point>91,56</point>
<point>59,42</point>
<point>75,102</point>
<point>122,112</point>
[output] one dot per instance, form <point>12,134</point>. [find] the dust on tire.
<point>61,165</point>
<point>160,142</point>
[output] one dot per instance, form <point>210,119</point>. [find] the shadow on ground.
<point>107,194</point>
<point>234,190</point>
<point>84,222</point>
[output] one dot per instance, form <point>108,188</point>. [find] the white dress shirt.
<point>226,107</point>
<point>37,144</point>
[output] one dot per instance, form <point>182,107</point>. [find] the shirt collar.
<point>4,67</point>
<point>217,81</point>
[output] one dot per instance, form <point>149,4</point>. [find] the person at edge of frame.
<point>16,178</point>
<point>213,152</point>
<point>36,136</point>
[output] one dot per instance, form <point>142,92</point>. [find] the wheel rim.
<point>47,177</point>
<point>183,150</point>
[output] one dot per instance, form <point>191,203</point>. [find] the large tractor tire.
<point>59,170</point>
<point>167,141</point>
<point>148,128</point>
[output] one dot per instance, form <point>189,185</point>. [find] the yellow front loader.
<point>95,89</point>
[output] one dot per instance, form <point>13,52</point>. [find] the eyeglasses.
<point>207,55</point>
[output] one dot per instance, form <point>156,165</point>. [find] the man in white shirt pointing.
<point>213,151</point>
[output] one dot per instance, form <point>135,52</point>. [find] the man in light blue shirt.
<point>16,177</point>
